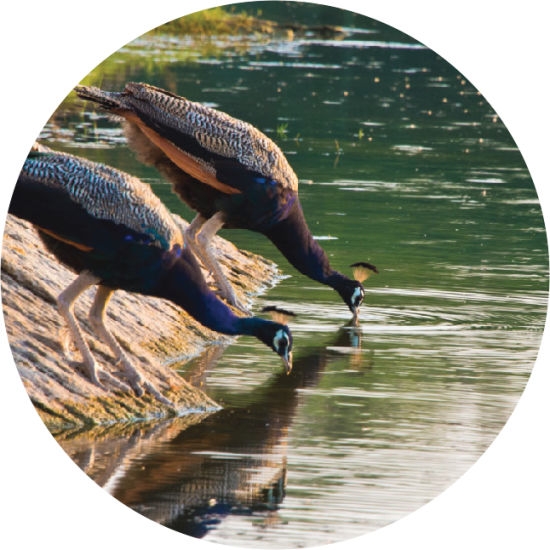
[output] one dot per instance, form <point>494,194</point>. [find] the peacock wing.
<point>211,146</point>
<point>60,180</point>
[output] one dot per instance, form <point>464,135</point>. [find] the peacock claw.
<point>136,382</point>
<point>118,384</point>
<point>95,374</point>
<point>139,384</point>
<point>232,300</point>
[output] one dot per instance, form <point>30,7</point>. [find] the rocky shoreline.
<point>157,336</point>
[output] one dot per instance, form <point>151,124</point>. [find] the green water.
<point>402,163</point>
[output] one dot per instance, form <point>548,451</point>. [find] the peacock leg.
<point>97,320</point>
<point>203,238</point>
<point>190,236</point>
<point>190,233</point>
<point>65,305</point>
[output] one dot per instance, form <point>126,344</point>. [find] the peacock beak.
<point>287,361</point>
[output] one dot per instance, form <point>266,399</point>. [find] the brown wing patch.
<point>66,241</point>
<point>180,158</point>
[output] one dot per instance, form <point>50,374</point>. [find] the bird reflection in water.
<point>191,472</point>
<point>348,342</point>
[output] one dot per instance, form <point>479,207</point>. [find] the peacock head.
<point>279,338</point>
<point>352,291</point>
<point>277,335</point>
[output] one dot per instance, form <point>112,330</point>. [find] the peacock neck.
<point>184,285</point>
<point>295,241</point>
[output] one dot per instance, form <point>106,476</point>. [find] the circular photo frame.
<point>379,232</point>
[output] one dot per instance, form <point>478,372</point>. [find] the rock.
<point>157,336</point>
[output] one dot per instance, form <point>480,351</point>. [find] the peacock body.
<point>111,229</point>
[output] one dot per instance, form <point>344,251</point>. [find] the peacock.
<point>231,174</point>
<point>111,229</point>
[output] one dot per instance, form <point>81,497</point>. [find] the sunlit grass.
<point>215,21</point>
<point>185,40</point>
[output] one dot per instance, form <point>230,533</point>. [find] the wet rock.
<point>157,336</point>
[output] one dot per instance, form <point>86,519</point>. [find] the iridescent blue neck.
<point>184,285</point>
<point>294,239</point>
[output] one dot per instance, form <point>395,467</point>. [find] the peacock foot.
<point>139,384</point>
<point>99,376</point>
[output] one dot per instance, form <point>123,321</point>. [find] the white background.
<point>501,47</point>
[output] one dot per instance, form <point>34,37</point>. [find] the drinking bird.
<point>231,174</point>
<point>111,229</point>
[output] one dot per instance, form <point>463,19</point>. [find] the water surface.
<point>402,163</point>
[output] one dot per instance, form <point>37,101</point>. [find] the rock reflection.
<point>189,473</point>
